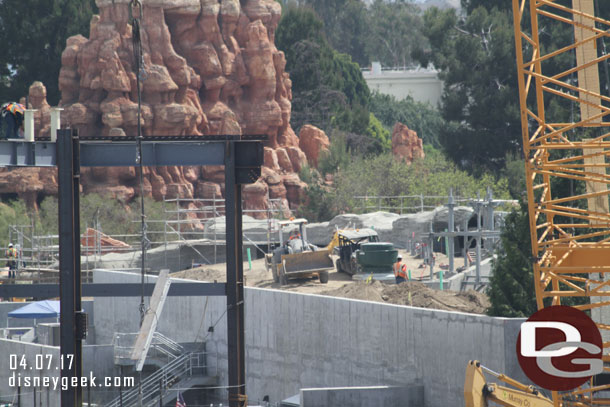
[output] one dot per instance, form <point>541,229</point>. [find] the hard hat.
<point>10,245</point>
<point>399,257</point>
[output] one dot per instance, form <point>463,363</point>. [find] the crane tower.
<point>566,163</point>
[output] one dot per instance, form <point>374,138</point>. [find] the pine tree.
<point>33,35</point>
<point>511,290</point>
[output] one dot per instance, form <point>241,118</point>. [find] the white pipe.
<point>28,125</point>
<point>55,122</point>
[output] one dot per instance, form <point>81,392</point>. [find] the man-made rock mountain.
<point>313,142</point>
<point>405,144</point>
<point>210,68</point>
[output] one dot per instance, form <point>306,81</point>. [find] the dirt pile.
<point>414,294</point>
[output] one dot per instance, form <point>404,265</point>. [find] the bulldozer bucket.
<point>307,262</point>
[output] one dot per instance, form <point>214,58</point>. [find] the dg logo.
<point>559,348</point>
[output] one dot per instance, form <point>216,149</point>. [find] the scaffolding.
<point>180,225</point>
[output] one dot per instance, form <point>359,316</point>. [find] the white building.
<point>421,84</point>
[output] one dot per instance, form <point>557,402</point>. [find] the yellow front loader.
<point>296,257</point>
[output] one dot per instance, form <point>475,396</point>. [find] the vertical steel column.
<point>451,228</point>
<point>235,287</point>
<point>69,262</point>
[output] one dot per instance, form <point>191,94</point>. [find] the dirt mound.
<point>359,291</point>
<point>414,294</point>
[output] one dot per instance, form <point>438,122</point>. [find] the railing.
<point>160,344</point>
<point>161,380</point>
<point>403,204</point>
<point>40,252</point>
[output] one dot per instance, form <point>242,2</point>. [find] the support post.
<point>68,169</point>
<point>451,228</point>
<point>478,259</point>
<point>235,287</point>
<point>28,125</point>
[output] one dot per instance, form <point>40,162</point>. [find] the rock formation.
<point>313,141</point>
<point>210,68</point>
<point>406,145</point>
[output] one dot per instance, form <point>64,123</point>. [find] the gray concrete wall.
<point>296,341</point>
<point>28,351</point>
<point>378,396</point>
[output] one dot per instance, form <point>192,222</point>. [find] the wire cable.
<point>139,68</point>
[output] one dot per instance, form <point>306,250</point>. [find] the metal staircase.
<point>162,349</point>
<point>187,370</point>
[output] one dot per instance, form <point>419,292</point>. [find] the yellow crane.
<point>570,232</point>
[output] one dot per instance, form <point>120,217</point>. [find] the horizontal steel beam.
<point>117,154</point>
<point>42,291</point>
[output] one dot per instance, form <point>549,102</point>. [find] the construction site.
<point>229,297</point>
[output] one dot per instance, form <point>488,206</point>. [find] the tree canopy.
<point>33,34</point>
<point>511,290</point>
<point>327,87</point>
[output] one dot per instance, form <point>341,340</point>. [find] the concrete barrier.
<point>296,341</point>
<point>378,396</point>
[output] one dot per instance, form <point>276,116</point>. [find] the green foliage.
<point>380,134</point>
<point>420,117</point>
<point>320,200</point>
<point>480,102</point>
<point>327,87</point>
<point>337,156</point>
<point>33,35</point>
<point>383,175</point>
<point>113,217</point>
<point>12,212</point>
<point>395,30</point>
<point>511,290</point>
<point>515,174</point>
<point>345,24</point>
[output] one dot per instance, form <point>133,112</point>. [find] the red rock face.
<point>406,145</point>
<point>210,68</point>
<point>313,141</point>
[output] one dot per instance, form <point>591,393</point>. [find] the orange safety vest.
<point>400,270</point>
<point>11,253</point>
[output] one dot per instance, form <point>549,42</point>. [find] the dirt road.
<point>341,285</point>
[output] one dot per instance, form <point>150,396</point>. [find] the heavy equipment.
<point>479,393</point>
<point>296,257</point>
<point>361,254</point>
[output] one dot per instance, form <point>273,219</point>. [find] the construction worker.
<point>12,119</point>
<point>400,270</point>
<point>11,255</point>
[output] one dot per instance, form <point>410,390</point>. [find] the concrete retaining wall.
<point>28,351</point>
<point>296,341</point>
<point>378,396</point>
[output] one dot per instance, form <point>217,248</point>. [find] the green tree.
<point>328,88</point>
<point>345,24</point>
<point>420,117</point>
<point>476,58</point>
<point>33,35</point>
<point>511,290</point>
<point>395,31</point>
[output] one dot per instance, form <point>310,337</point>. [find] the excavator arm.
<point>479,393</point>
<point>334,242</point>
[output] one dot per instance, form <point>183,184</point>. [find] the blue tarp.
<point>39,309</point>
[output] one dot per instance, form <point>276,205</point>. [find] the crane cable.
<point>140,76</point>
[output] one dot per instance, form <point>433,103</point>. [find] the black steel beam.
<point>235,305</point>
<point>43,291</point>
<point>67,263</point>
<point>122,154</point>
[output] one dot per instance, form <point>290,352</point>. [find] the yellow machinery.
<point>296,257</point>
<point>479,393</point>
<point>570,233</point>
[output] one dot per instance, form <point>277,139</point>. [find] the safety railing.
<point>155,385</point>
